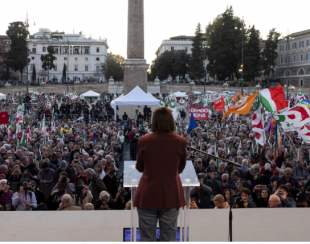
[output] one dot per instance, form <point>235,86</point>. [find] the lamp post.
<point>204,67</point>
<point>27,50</point>
<point>242,52</point>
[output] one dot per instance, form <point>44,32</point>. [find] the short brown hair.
<point>163,120</point>
<point>219,198</point>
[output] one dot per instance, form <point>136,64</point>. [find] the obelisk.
<point>135,67</point>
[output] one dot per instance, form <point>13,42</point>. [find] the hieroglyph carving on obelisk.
<point>135,45</point>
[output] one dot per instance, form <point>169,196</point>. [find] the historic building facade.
<point>293,62</point>
<point>82,56</point>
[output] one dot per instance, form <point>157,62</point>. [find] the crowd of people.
<point>78,166</point>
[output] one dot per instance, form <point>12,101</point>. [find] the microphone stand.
<point>230,165</point>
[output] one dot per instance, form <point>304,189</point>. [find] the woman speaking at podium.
<point>161,157</point>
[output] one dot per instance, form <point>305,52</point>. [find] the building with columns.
<point>293,62</point>
<point>82,56</point>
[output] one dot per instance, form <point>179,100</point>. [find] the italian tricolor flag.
<point>273,99</point>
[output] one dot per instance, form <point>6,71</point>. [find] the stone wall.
<point>118,87</point>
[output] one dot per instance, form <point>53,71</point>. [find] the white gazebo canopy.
<point>90,94</point>
<point>136,98</point>
<point>180,94</point>
<point>2,96</point>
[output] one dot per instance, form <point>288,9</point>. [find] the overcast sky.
<point>163,18</point>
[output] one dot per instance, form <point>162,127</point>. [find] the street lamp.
<point>204,66</point>
<point>26,24</point>
<point>242,71</point>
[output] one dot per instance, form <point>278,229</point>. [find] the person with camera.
<point>81,195</point>
<point>103,203</point>
<point>286,201</point>
<point>40,197</point>
<point>121,199</point>
<point>64,184</point>
<point>290,182</point>
<point>110,181</point>
<point>63,167</point>
<point>6,196</point>
<point>202,194</point>
<point>24,199</point>
<point>96,185</point>
<point>66,204</point>
<point>243,199</point>
<point>134,143</point>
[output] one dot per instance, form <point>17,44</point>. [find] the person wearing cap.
<point>6,196</point>
<point>63,167</point>
<point>96,184</point>
<point>110,181</point>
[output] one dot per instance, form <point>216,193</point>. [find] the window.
<point>34,50</point>
<point>97,68</point>
<point>86,67</point>
<point>281,48</point>
<point>281,60</point>
<point>287,46</point>
<point>65,58</point>
<point>76,59</point>
<point>308,56</point>
<point>31,66</point>
<point>301,57</point>
<point>186,49</point>
<point>301,44</point>
<point>86,58</point>
<point>172,48</point>
<point>294,58</point>
<point>301,83</point>
<point>76,51</point>
<point>294,45</point>
<point>32,58</point>
<point>86,50</point>
<point>44,49</point>
<point>76,68</point>
<point>97,49</point>
<point>66,50</point>
<point>55,69</point>
<point>56,50</point>
<point>287,59</point>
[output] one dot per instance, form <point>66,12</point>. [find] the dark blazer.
<point>161,157</point>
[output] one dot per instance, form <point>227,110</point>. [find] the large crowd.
<point>78,164</point>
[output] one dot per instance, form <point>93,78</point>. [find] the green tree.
<point>48,61</point>
<point>195,66</point>
<point>17,57</point>
<point>64,73</point>
<point>113,67</point>
<point>224,40</point>
<point>270,54</point>
<point>34,75</point>
<point>252,55</point>
<point>172,63</point>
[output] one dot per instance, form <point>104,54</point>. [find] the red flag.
<point>4,118</point>
<point>219,105</point>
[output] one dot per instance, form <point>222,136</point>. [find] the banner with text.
<point>199,113</point>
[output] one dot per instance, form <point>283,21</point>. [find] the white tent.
<point>2,96</point>
<point>113,101</point>
<point>180,94</point>
<point>90,94</point>
<point>136,99</point>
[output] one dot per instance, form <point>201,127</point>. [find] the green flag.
<point>24,140</point>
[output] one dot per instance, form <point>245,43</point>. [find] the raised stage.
<point>205,225</point>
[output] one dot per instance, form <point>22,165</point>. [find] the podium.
<point>188,178</point>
